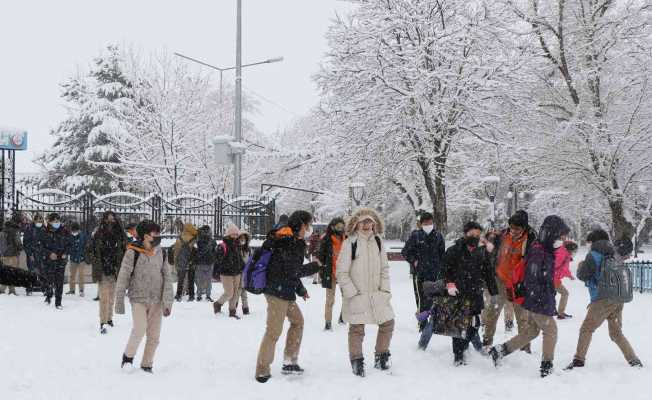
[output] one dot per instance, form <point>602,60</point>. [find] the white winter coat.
<point>364,282</point>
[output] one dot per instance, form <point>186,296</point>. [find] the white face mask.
<point>428,228</point>
<point>558,244</point>
<point>39,224</point>
<point>308,233</point>
<point>75,233</point>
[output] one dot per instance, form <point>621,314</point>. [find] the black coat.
<point>286,267</point>
<point>471,271</point>
<point>14,245</point>
<point>427,251</point>
<point>107,252</point>
<point>206,250</point>
<point>57,241</point>
<point>30,241</point>
<point>539,280</point>
<point>325,256</point>
<point>228,258</point>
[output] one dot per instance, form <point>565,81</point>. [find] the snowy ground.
<point>49,354</point>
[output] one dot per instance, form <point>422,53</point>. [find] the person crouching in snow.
<point>284,272</point>
<point>363,276</point>
<point>539,289</point>
<point>467,269</point>
<point>563,258</point>
<point>231,265</point>
<point>147,279</point>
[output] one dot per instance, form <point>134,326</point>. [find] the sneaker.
<point>357,366</point>
<point>126,360</point>
<point>292,369</point>
<point>198,298</point>
<point>208,298</point>
<point>575,364</point>
<point>59,307</point>
<point>459,362</point>
<point>263,378</point>
<point>497,353</point>
<point>328,326</point>
<point>232,314</point>
<point>245,310</point>
<point>636,363</point>
<point>103,330</point>
<point>382,361</point>
<point>97,298</point>
<point>147,369</point>
<point>546,368</point>
<point>110,322</point>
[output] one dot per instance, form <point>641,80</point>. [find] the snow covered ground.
<point>49,354</point>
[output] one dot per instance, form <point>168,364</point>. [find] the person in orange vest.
<point>329,249</point>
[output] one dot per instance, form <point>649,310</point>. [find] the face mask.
<point>558,244</point>
<point>39,224</point>
<point>75,233</point>
<point>129,235</point>
<point>56,225</point>
<point>428,228</point>
<point>243,242</point>
<point>156,241</point>
<point>308,233</point>
<point>472,241</point>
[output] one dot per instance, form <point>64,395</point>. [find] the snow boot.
<point>245,310</point>
<point>382,361</point>
<point>292,369</point>
<point>232,314</point>
<point>217,307</point>
<point>328,326</point>
<point>103,330</point>
<point>358,367</point>
<point>110,322</point>
<point>509,326</point>
<point>546,368</point>
<point>575,364</point>
<point>263,378</point>
<point>497,353</point>
<point>97,298</point>
<point>636,363</point>
<point>126,360</point>
<point>70,292</point>
<point>149,370</point>
<point>199,298</point>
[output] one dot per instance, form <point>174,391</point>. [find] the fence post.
<point>87,212</point>
<point>640,266</point>
<point>156,209</point>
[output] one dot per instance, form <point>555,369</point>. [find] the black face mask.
<point>156,241</point>
<point>472,241</point>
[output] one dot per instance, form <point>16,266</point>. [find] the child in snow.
<point>563,257</point>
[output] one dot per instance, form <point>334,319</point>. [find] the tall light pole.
<point>491,189</point>
<point>237,158</point>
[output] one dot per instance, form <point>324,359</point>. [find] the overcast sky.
<point>43,42</point>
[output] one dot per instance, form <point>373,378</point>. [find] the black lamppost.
<point>491,188</point>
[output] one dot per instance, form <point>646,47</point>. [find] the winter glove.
<point>452,289</point>
<point>423,316</point>
<point>167,312</point>
<point>120,307</point>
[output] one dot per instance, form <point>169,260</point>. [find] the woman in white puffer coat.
<point>363,276</point>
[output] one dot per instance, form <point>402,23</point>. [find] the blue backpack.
<point>254,276</point>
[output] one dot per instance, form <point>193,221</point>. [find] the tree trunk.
<point>439,206</point>
<point>622,228</point>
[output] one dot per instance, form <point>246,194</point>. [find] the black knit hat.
<point>471,225</point>
<point>520,218</point>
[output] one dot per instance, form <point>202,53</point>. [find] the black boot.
<point>328,326</point>
<point>636,363</point>
<point>382,361</point>
<point>97,298</point>
<point>149,370</point>
<point>70,292</point>
<point>292,369</point>
<point>126,360</point>
<point>191,298</point>
<point>217,307</point>
<point>103,330</point>
<point>110,322</point>
<point>340,321</point>
<point>232,314</point>
<point>177,298</point>
<point>245,310</point>
<point>199,298</point>
<point>208,298</point>
<point>575,364</point>
<point>497,353</point>
<point>263,378</point>
<point>546,368</point>
<point>358,367</point>
<point>459,360</point>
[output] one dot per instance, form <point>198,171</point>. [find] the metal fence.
<point>642,275</point>
<point>255,214</point>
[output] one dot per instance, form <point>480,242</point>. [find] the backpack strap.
<point>136,256</point>
<point>354,247</point>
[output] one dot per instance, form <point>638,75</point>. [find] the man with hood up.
<point>184,253</point>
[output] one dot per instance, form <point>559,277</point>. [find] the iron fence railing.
<point>642,275</point>
<point>255,214</point>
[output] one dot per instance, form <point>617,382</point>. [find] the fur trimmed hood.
<point>359,215</point>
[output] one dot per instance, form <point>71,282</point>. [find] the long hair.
<point>330,229</point>
<point>552,229</point>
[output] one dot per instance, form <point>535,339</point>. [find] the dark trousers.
<point>54,276</point>
<point>424,303</point>
<point>190,273</point>
<point>460,345</point>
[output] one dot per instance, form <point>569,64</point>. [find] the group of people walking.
<point>466,285</point>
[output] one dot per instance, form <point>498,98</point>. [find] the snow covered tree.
<point>95,105</point>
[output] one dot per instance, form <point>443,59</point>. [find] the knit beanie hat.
<point>232,230</point>
<point>520,218</point>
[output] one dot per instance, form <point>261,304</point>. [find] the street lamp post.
<point>491,188</point>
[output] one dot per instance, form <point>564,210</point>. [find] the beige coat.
<point>365,285</point>
<point>151,282</point>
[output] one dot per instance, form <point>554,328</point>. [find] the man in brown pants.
<point>147,277</point>
<point>602,309</point>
